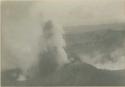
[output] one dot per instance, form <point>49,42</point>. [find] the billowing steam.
<point>109,61</point>
<point>26,35</point>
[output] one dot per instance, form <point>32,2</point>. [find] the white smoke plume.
<point>25,37</point>
<point>114,61</point>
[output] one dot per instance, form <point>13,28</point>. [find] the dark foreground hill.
<point>102,39</point>
<point>96,37</point>
<point>76,73</point>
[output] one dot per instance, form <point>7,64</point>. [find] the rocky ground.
<point>76,73</point>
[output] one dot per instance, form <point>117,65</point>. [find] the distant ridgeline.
<point>95,37</point>
<point>102,43</point>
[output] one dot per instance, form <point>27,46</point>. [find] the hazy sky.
<point>75,12</point>
<point>72,12</point>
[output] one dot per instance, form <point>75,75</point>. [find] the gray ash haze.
<point>97,14</point>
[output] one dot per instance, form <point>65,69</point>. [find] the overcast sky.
<point>75,12</point>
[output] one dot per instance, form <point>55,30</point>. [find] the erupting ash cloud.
<point>26,36</point>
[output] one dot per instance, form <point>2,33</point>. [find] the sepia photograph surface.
<point>62,43</point>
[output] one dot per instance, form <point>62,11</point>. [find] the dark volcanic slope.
<point>102,38</point>
<point>98,35</point>
<point>96,40</point>
<point>73,74</point>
